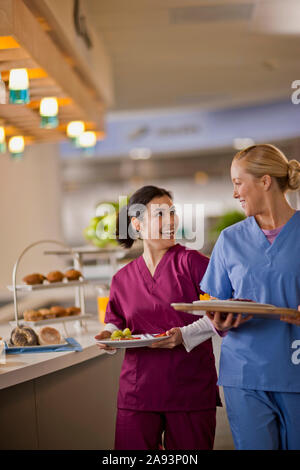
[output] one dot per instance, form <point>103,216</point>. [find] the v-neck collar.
<point>144,270</point>
<point>279,238</point>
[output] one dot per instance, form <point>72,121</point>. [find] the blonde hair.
<point>266,159</point>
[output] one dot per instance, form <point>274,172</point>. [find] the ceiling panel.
<point>160,62</point>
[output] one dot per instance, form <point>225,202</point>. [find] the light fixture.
<point>16,146</point>
<point>2,140</point>
<point>87,139</point>
<point>2,91</point>
<point>140,153</point>
<point>241,143</point>
<point>74,130</point>
<point>200,177</point>
<point>87,142</point>
<point>48,112</point>
<point>18,86</point>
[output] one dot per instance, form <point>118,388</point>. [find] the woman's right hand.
<point>104,335</point>
<point>225,321</point>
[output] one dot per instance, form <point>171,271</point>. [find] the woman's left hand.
<point>294,321</point>
<point>174,338</point>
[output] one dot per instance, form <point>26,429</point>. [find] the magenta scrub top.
<point>162,379</point>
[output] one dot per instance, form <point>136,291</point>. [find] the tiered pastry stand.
<point>78,285</point>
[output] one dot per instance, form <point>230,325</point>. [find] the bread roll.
<point>55,276</point>
<point>58,311</point>
<point>49,335</point>
<point>46,313</point>
<point>33,279</point>
<point>32,315</point>
<point>23,336</point>
<point>73,275</point>
<point>73,311</point>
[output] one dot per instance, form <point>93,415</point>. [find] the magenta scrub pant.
<point>142,430</point>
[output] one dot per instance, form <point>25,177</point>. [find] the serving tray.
<point>199,307</point>
<point>68,344</point>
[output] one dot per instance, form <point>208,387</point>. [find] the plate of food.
<point>124,339</point>
<point>245,306</point>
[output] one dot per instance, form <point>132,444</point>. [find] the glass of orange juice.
<point>102,301</point>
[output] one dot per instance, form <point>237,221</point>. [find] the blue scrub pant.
<point>263,420</point>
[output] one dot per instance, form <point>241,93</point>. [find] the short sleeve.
<point>197,264</point>
<point>216,281</point>
<point>113,312</point>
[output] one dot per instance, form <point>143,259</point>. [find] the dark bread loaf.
<point>23,336</point>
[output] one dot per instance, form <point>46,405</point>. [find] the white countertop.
<point>22,367</point>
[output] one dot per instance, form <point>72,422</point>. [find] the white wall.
<point>30,208</point>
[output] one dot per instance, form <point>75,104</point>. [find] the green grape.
<point>127,332</point>
<point>117,334</point>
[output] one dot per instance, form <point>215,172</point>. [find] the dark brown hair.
<point>142,196</point>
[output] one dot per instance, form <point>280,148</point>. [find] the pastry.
<point>46,313</point>
<point>49,335</point>
<point>73,311</point>
<point>55,276</point>
<point>32,315</point>
<point>23,336</point>
<point>58,311</point>
<point>33,279</point>
<point>73,275</point>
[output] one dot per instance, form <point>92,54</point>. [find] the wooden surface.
<point>254,310</point>
<point>25,43</point>
<point>93,63</point>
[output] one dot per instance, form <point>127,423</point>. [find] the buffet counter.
<point>59,400</point>
<point>22,367</point>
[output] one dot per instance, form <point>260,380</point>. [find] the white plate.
<point>145,340</point>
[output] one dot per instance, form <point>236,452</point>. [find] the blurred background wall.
<point>30,206</point>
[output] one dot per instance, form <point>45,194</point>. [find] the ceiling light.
<point>2,91</point>
<point>18,86</point>
<point>2,140</point>
<point>201,177</point>
<point>48,112</point>
<point>75,129</point>
<point>16,146</point>
<point>87,139</point>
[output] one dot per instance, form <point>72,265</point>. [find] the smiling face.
<point>249,190</point>
<point>159,223</point>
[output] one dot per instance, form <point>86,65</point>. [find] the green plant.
<point>224,221</point>
<point>101,229</point>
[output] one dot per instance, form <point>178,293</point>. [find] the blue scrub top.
<point>258,354</point>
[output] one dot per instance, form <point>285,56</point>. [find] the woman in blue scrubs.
<point>259,259</point>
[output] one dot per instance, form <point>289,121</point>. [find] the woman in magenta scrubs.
<point>161,389</point>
